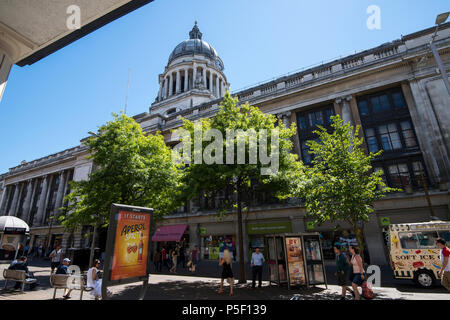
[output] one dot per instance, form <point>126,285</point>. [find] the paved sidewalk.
<point>180,287</point>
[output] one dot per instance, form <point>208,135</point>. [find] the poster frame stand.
<point>110,244</point>
<point>305,261</point>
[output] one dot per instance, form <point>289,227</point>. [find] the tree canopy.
<point>205,174</point>
<point>129,167</point>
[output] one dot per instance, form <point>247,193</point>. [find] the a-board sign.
<point>128,244</point>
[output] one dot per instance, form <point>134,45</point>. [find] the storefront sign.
<point>295,261</point>
<point>310,225</point>
<point>385,221</point>
<point>269,228</point>
<point>10,230</point>
<point>202,231</point>
<point>214,253</point>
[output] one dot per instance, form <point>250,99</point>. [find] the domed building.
<point>193,75</point>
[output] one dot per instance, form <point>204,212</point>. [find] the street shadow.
<point>201,290</point>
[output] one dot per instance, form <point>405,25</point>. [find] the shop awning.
<point>169,233</point>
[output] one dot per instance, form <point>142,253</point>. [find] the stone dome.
<point>194,45</point>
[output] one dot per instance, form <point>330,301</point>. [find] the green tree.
<point>202,178</point>
<point>129,168</point>
<point>341,184</point>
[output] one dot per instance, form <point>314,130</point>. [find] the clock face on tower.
<point>219,64</point>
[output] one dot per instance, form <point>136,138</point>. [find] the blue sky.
<point>52,104</point>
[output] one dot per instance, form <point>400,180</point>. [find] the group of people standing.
<point>173,257</point>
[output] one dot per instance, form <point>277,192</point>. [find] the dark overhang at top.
<point>103,12</point>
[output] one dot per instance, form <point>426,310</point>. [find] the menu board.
<point>130,249</point>
<point>295,261</point>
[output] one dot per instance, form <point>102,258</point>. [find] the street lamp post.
<point>440,19</point>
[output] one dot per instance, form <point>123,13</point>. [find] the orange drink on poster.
<point>130,248</point>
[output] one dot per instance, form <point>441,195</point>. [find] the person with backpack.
<point>358,271</point>
<point>342,267</point>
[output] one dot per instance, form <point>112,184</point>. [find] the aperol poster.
<point>130,248</point>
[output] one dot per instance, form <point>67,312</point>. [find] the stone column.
<point>166,91</point>
<point>194,75</point>
<point>204,77</point>
<point>217,87</point>
<point>210,82</point>
<point>4,200</point>
<point>60,194</point>
<point>40,212</point>
<point>27,201</point>
<point>170,84</point>
<point>224,87</point>
<point>346,110</point>
<point>178,83</point>
<point>186,80</point>
<point>160,90</point>
<point>12,209</point>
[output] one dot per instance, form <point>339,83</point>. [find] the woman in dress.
<point>227,272</point>
<point>93,281</point>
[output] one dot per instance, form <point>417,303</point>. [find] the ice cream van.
<point>413,252</point>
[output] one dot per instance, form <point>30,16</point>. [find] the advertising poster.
<point>130,248</point>
<point>295,261</point>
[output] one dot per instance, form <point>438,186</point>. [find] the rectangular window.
<point>399,101</point>
<point>418,172</point>
<point>390,139</point>
<point>371,140</point>
<point>302,123</point>
<point>427,239</point>
<point>363,108</point>
<point>399,175</point>
<point>316,118</point>
<point>408,134</point>
<point>408,240</point>
<point>329,113</point>
<point>376,105</point>
<point>384,103</point>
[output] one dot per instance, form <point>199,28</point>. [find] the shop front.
<point>213,246</point>
<point>170,236</point>
<point>257,231</point>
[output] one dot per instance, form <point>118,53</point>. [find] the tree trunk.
<point>240,237</point>
<point>360,238</point>
<point>91,257</point>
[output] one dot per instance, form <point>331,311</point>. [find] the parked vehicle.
<point>413,252</point>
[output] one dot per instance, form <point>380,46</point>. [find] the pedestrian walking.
<point>444,273</point>
<point>164,258</point>
<point>157,260</point>
<point>182,257</point>
<point>257,262</point>
<point>227,271</point>
<point>193,262</point>
<point>358,271</point>
<point>56,257</point>
<point>174,256</point>
<point>342,267</point>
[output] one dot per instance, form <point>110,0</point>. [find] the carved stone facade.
<point>392,92</point>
